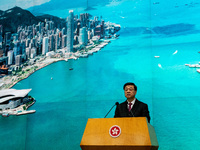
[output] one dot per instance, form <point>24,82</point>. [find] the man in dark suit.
<point>132,107</point>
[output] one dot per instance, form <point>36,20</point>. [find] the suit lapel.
<point>125,107</point>
<point>135,106</point>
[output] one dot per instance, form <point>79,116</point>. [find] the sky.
<point>24,4</point>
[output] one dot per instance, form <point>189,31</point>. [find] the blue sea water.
<point>170,88</point>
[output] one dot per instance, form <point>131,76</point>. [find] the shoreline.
<point>8,80</point>
<point>31,74</point>
<point>18,110</point>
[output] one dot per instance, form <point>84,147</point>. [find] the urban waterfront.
<point>94,85</point>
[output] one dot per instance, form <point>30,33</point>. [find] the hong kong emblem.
<point>115,131</point>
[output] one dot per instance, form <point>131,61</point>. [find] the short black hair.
<point>130,83</point>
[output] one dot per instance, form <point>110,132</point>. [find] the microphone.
<point>111,109</point>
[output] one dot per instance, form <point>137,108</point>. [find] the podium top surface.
<point>134,132</point>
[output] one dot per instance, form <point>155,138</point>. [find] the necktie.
<point>129,106</point>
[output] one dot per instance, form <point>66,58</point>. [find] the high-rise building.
<point>64,41</point>
<point>7,38</point>
<point>45,46</point>
<point>78,28</point>
<point>16,49</point>
<point>63,31</point>
<point>83,37</point>
<point>28,42</point>
<point>51,25</point>
<point>70,31</point>
<point>57,42</point>
<point>89,34</point>
<point>1,38</point>
<point>23,46</point>
<point>33,52</point>
<point>51,43</point>
<point>28,52</point>
<point>1,29</point>
<point>18,59</point>
<point>10,57</point>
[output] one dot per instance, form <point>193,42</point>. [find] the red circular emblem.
<point>115,131</point>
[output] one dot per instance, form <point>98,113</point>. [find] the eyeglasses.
<point>131,89</point>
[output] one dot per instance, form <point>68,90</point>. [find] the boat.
<point>5,114</point>
<point>175,52</point>
<point>157,56</point>
<point>198,70</point>
<point>70,68</point>
<point>197,66</point>
<point>192,66</point>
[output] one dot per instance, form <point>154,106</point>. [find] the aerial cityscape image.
<point>63,62</point>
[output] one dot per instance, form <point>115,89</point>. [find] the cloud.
<point>7,4</point>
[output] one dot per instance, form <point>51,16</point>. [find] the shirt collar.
<point>133,102</point>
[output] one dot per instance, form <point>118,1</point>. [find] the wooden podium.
<point>136,134</point>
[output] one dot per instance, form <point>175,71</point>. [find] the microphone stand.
<point>111,109</point>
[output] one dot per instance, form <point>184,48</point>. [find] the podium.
<point>131,133</point>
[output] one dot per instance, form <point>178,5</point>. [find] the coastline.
<point>18,110</point>
<point>11,80</point>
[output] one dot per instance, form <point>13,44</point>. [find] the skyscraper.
<point>83,37</point>
<point>18,59</point>
<point>7,38</point>
<point>51,43</point>
<point>70,31</point>
<point>1,38</point>
<point>64,39</point>
<point>56,36</point>
<point>45,44</point>
<point>10,57</point>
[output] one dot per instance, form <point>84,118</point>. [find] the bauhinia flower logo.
<point>115,131</point>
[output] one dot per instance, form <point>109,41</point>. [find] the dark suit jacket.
<point>139,109</point>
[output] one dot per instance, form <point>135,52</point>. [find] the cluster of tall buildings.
<point>33,40</point>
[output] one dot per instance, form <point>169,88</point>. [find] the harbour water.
<point>67,98</point>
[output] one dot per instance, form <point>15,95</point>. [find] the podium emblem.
<point>115,131</point>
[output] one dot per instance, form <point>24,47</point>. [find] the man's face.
<point>130,92</point>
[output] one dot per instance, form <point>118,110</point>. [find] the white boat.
<point>197,65</point>
<point>157,56</point>
<point>192,66</point>
<point>198,70</point>
<point>175,52</point>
